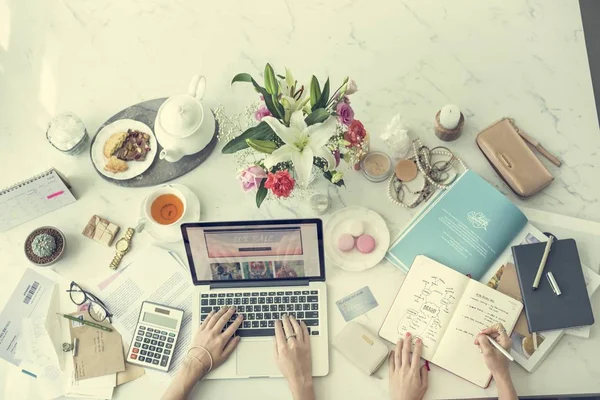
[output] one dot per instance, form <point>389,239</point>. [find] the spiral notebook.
<point>33,198</point>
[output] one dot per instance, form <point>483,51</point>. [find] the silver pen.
<point>500,348</point>
<point>540,271</point>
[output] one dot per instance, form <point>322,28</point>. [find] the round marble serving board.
<point>160,171</point>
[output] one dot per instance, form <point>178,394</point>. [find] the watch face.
<point>122,245</point>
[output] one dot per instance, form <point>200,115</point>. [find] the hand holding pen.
<point>496,360</point>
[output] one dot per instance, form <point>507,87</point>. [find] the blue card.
<point>357,303</point>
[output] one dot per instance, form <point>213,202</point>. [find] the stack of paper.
<point>586,234</point>
<point>32,339</point>
<point>101,387</point>
<point>154,276</point>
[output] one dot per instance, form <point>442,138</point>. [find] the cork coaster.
<point>406,170</point>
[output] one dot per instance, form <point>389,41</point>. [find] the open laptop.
<point>264,269</point>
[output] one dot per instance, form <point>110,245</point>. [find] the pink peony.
<point>262,112</point>
<point>252,177</point>
<point>345,113</point>
<point>281,183</point>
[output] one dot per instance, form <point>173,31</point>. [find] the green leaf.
<point>328,175</point>
<point>270,81</point>
<point>243,77</point>
<point>318,115</point>
<point>324,98</point>
<point>277,105</point>
<point>262,146</point>
<point>261,194</point>
<point>315,90</point>
<point>273,105</point>
<point>261,131</point>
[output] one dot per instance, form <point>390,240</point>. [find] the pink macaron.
<point>346,242</point>
<point>365,244</point>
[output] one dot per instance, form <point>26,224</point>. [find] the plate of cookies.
<point>124,149</point>
<point>356,238</point>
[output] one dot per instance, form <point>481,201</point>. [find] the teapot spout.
<point>170,156</point>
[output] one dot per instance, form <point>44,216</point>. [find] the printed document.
<point>157,277</point>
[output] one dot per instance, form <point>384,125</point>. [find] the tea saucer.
<point>354,260</point>
<point>172,233</point>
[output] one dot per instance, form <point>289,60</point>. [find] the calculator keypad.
<point>153,347</point>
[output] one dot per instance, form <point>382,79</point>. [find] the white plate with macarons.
<point>356,238</point>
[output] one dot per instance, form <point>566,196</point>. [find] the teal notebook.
<point>466,227</point>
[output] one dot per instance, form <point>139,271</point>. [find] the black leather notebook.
<point>546,311</point>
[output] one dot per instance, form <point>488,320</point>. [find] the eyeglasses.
<point>96,308</point>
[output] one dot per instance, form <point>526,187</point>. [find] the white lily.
<point>302,143</point>
<point>289,102</point>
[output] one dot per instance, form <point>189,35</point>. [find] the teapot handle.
<point>197,87</point>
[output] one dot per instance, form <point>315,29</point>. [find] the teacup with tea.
<point>165,206</point>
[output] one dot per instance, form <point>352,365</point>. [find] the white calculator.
<point>155,336</point>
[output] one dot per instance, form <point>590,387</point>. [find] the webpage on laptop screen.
<point>254,252</point>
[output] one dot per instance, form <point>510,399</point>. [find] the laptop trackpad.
<point>256,358</point>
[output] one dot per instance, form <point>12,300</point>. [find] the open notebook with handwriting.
<point>447,310</point>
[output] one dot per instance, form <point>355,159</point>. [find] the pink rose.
<point>252,177</point>
<point>351,87</point>
<point>262,112</point>
<point>345,113</point>
<point>355,134</point>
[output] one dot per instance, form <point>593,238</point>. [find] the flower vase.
<point>364,151</point>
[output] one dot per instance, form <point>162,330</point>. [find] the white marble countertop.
<point>520,58</point>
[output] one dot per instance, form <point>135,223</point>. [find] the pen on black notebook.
<point>540,271</point>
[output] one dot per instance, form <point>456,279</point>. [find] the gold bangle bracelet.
<point>200,361</point>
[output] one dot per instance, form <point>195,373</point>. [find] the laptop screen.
<point>255,250</point>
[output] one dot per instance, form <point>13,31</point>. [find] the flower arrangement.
<point>299,129</point>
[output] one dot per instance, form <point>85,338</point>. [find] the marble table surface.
<point>520,58</point>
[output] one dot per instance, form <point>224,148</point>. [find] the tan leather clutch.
<point>513,160</point>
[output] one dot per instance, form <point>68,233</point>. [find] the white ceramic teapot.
<point>180,126</point>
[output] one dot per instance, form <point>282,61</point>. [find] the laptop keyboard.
<point>262,309</point>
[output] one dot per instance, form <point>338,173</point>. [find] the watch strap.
<point>116,260</point>
<point>129,233</point>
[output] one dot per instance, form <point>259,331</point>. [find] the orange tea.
<point>166,209</point>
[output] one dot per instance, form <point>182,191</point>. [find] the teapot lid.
<point>181,115</point>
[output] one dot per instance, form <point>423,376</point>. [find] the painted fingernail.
<point>407,334</point>
<point>419,340</point>
<point>427,365</point>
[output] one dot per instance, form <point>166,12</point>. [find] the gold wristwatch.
<point>123,245</point>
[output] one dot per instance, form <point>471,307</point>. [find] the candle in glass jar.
<point>450,116</point>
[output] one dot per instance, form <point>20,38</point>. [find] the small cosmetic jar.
<point>377,166</point>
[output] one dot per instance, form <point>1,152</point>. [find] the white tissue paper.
<point>396,138</point>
